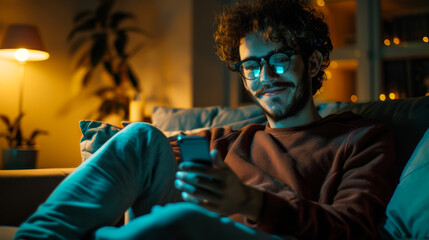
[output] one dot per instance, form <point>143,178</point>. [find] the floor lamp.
<point>22,43</point>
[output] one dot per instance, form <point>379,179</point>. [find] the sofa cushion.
<point>174,119</point>
<point>407,212</point>
<point>172,122</point>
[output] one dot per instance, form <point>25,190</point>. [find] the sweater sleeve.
<point>353,198</point>
<point>212,135</point>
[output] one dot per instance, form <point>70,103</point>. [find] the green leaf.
<point>107,107</point>
<point>87,77</point>
<point>88,25</point>
<point>132,77</point>
<point>120,42</point>
<point>117,78</point>
<point>86,13</point>
<point>17,121</point>
<point>108,67</point>
<point>32,140</point>
<point>18,137</point>
<point>98,49</point>
<point>83,60</point>
<point>136,30</point>
<point>118,17</point>
<point>135,50</point>
<point>103,11</point>
<point>100,92</point>
<point>5,119</point>
<point>79,43</point>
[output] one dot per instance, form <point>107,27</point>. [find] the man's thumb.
<point>217,160</point>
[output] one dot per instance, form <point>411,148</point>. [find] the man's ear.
<point>314,63</point>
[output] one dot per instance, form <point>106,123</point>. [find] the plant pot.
<point>19,158</point>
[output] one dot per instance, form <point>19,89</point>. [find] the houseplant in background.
<point>100,42</point>
<point>21,152</point>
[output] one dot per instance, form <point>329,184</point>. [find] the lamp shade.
<point>23,43</point>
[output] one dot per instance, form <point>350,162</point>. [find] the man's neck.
<point>307,115</point>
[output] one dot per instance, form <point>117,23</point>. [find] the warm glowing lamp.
<point>22,43</point>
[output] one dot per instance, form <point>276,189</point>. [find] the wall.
<point>211,79</point>
<point>164,67</point>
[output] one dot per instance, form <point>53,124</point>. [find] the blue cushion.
<point>94,135</point>
<point>174,119</point>
<point>408,210</point>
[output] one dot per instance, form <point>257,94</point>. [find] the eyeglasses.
<point>278,61</point>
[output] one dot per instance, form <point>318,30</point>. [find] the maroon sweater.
<point>330,179</point>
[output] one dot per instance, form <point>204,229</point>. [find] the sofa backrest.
<point>407,118</point>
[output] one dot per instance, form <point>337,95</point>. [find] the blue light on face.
<point>256,73</point>
<point>279,69</point>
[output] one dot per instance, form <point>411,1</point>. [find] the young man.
<point>299,176</point>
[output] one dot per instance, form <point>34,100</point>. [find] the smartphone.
<point>195,149</point>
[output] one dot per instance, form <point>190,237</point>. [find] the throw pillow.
<point>407,212</point>
<point>181,119</point>
<point>94,135</point>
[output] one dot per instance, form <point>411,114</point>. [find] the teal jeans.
<point>134,170</point>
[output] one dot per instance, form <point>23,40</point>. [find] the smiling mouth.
<point>273,89</point>
<point>273,92</point>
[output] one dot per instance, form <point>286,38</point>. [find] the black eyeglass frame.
<point>288,52</point>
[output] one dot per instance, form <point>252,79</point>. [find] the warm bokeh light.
<point>382,97</point>
<point>22,54</point>
<point>427,94</point>
<point>334,65</point>
<point>425,39</point>
<point>321,3</point>
<point>387,42</point>
<point>328,74</point>
<point>392,96</point>
<point>354,98</point>
<point>356,53</point>
<point>396,40</point>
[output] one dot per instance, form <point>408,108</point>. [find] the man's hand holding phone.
<point>206,180</point>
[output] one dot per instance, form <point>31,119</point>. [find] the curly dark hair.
<point>295,23</point>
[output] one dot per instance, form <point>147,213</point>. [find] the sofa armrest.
<point>24,190</point>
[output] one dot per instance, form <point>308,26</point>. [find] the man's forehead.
<point>255,45</point>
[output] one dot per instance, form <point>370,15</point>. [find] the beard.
<point>299,99</point>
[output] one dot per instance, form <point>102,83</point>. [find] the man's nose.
<point>267,74</point>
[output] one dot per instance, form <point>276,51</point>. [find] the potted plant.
<point>21,152</point>
<point>100,40</point>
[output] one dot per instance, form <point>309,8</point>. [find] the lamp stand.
<point>21,86</point>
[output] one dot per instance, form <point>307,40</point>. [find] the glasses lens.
<point>250,69</point>
<point>279,62</point>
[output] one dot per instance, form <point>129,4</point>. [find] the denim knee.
<point>144,131</point>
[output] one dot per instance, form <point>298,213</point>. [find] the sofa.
<point>407,215</point>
